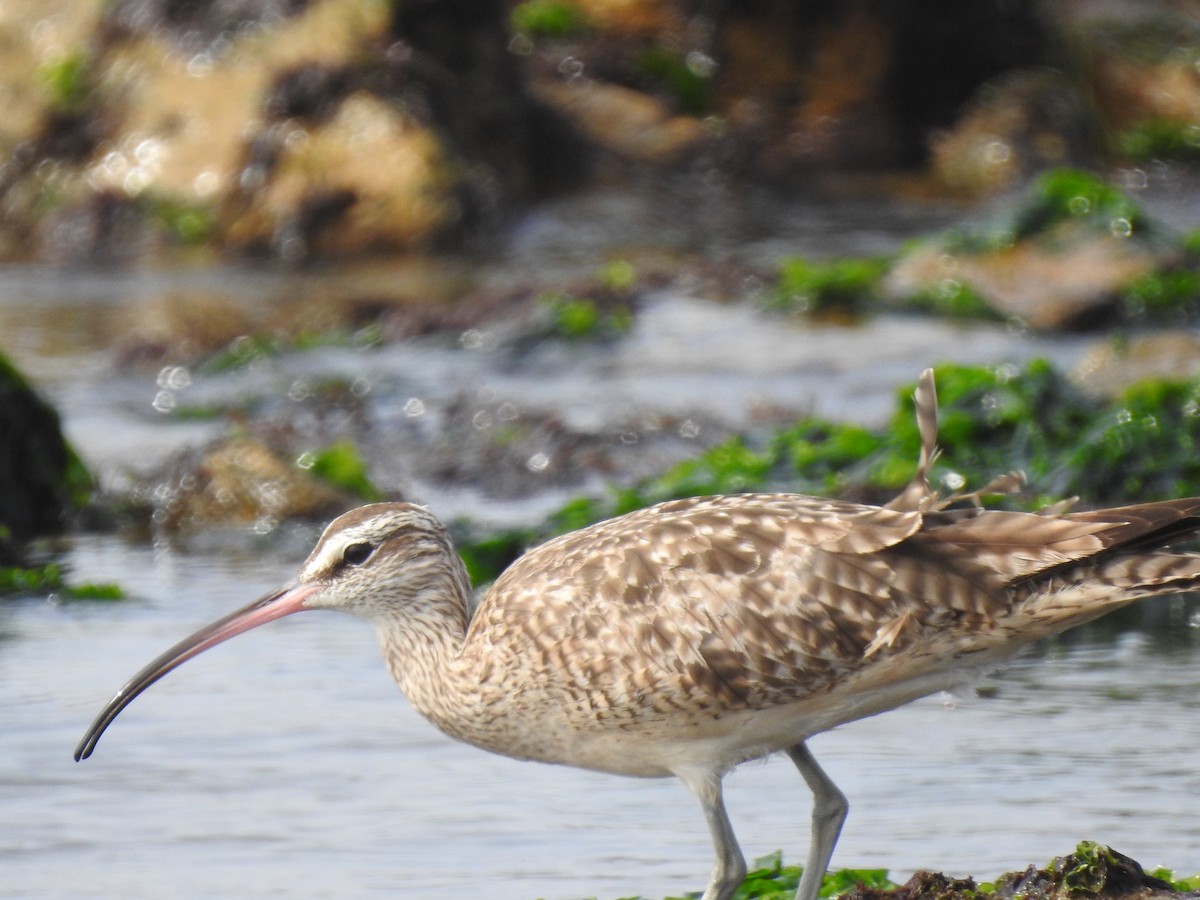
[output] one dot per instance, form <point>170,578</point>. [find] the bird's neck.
<point>421,642</point>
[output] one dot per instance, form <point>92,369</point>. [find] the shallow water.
<point>285,763</point>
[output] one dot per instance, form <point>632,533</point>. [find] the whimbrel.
<point>691,636</point>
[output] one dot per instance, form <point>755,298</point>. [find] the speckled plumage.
<point>690,636</point>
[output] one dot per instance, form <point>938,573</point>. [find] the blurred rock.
<point>368,179</point>
<point>1018,125</point>
<point>239,481</point>
<point>390,299</point>
<point>40,65</point>
<point>1045,286</point>
<point>1110,366</point>
<point>1060,256</point>
<point>624,121</point>
<point>302,129</point>
<point>279,127</point>
<point>182,327</point>
<point>1144,68</point>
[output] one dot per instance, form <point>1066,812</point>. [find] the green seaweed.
<point>48,578</point>
<point>547,19</point>
<point>1057,198</point>
<point>68,78</point>
<point>341,465</point>
<point>189,223</point>
<point>1160,138</point>
<point>1171,292</point>
<point>846,285</point>
<point>953,299</point>
<point>993,419</point>
<point>581,318</point>
<point>1091,870</point>
<point>689,84</point>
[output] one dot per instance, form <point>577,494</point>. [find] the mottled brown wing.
<point>755,600</point>
<point>745,600</point>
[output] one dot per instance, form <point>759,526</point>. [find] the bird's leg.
<point>730,867</point>
<point>829,812</point>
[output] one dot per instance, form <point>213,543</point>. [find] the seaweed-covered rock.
<point>1145,80</point>
<point>1064,257</point>
<point>41,477</point>
<point>239,481</point>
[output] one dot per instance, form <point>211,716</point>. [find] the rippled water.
<point>286,764</point>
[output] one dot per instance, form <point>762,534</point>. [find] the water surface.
<point>286,764</point>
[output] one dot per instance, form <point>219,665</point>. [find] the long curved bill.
<point>266,609</point>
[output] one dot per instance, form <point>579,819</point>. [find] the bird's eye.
<point>356,554</point>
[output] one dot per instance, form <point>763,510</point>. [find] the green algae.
<point>49,579</point>
<point>342,465</point>
<point>547,19</point>
<point>1141,446</point>
<point>1091,870</point>
<point>846,285</point>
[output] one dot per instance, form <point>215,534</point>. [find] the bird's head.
<point>374,561</point>
<point>378,560</point>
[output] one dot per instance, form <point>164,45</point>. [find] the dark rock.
<point>41,478</point>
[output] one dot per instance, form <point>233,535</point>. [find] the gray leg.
<point>829,812</point>
<point>730,867</point>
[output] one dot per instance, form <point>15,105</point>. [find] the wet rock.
<point>1020,124</point>
<point>1110,366</point>
<point>239,481</point>
<point>1042,286</point>
<point>1060,258</point>
<point>623,121</point>
<point>41,478</point>
<point>368,179</point>
<point>1146,84</point>
<point>1091,871</point>
<point>41,42</point>
<point>923,884</point>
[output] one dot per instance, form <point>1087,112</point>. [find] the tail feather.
<point>1146,525</point>
<point>1150,574</point>
<point>1123,537</point>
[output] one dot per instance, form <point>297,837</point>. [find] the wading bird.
<point>691,636</point>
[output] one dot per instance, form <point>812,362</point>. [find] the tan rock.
<point>1019,124</point>
<point>36,36</point>
<point>186,120</point>
<point>1109,367</point>
<point>626,122</point>
<point>243,481</point>
<point>181,326</point>
<point>1131,90</point>
<point>386,179</point>
<point>1043,284</point>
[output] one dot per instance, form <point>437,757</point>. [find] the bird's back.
<point>688,615</point>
